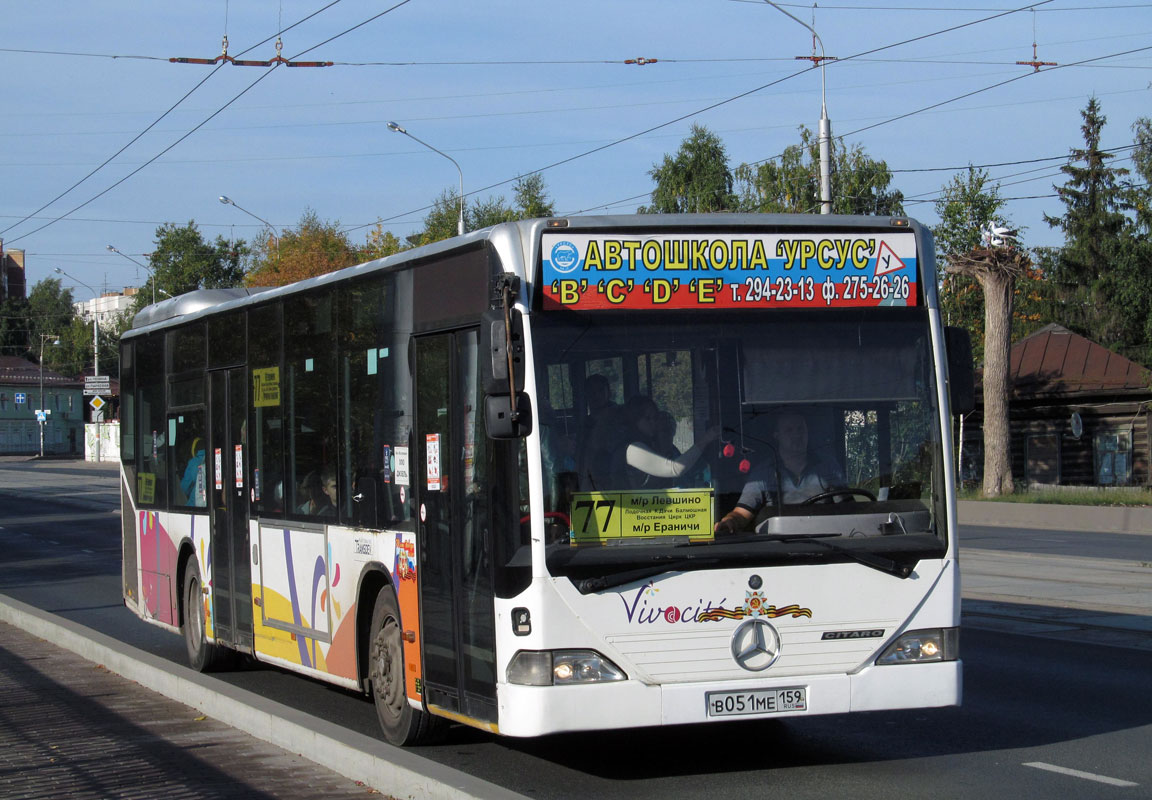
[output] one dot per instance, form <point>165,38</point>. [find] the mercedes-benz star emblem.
<point>755,645</point>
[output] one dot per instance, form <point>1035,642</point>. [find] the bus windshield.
<point>804,434</point>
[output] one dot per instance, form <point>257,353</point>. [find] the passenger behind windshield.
<point>790,468</point>
<point>645,457</point>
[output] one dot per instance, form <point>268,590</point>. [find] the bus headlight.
<point>561,668</point>
<point>922,647</point>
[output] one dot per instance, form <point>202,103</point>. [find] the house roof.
<point>1053,361</point>
<point>18,371</point>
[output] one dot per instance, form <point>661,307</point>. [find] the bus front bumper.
<point>539,710</point>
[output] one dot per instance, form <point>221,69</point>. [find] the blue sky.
<point>507,88</point>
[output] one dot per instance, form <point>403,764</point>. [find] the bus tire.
<point>202,656</point>
<point>402,724</point>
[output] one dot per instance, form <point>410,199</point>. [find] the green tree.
<point>50,312</point>
<point>315,247</point>
<point>182,261</point>
<point>442,219</point>
<point>696,180</point>
<point>14,331</point>
<point>381,243</point>
<point>791,184</point>
<point>1136,291</point>
<point>1140,194</point>
<point>530,198</point>
<point>1087,271</point>
<point>968,205</point>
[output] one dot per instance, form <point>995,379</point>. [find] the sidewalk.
<point>71,728</point>
<point>85,716</point>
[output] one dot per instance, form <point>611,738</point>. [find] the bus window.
<point>375,412</point>
<point>267,426</point>
<point>186,458</point>
<point>152,473</point>
<point>310,358</point>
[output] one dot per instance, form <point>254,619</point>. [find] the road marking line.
<point>1075,773</point>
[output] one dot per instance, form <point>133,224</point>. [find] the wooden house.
<point>1078,415</point>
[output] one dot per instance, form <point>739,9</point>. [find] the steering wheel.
<point>833,493</point>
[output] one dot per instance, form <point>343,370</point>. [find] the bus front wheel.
<point>402,724</point>
<point>202,656</point>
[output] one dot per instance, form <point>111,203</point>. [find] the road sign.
<point>97,403</point>
<point>21,398</point>
<point>97,385</point>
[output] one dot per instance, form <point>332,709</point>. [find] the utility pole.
<point>825,136</point>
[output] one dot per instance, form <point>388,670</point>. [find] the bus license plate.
<point>756,701</point>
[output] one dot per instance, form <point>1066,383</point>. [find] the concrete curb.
<point>1101,519</point>
<point>394,771</point>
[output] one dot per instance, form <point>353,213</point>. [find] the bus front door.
<point>231,568</point>
<point>455,575</point>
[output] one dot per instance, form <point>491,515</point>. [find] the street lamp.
<point>228,201</point>
<point>95,348</point>
<point>825,139</point>
<point>40,417</point>
<point>95,316</point>
<point>139,264</point>
<point>460,222</point>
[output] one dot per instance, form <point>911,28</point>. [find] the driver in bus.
<point>801,473</point>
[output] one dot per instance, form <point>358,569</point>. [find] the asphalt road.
<point>1034,708</point>
<point>1120,546</point>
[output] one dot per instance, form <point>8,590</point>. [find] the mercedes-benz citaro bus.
<point>564,474</point>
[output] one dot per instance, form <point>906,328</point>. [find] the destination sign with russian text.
<point>700,271</point>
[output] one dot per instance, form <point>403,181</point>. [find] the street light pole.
<point>95,317</point>
<point>460,221</point>
<point>95,344</point>
<point>825,137</point>
<point>139,264</point>
<point>228,201</point>
<point>40,417</point>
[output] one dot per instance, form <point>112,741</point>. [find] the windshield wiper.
<point>859,556</point>
<point>602,582</point>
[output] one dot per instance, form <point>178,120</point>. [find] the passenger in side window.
<point>319,490</point>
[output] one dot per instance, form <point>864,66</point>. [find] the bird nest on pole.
<point>1003,261</point>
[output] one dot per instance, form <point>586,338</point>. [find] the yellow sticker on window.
<point>600,517</point>
<point>266,387</point>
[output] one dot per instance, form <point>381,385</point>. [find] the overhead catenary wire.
<point>715,105</point>
<point>215,113</point>
<point>153,124</point>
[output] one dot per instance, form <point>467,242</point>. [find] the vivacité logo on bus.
<point>565,257</point>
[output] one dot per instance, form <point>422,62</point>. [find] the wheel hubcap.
<point>387,679</point>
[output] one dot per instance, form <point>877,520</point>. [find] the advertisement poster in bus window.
<point>432,460</point>
<point>401,471</point>
<point>715,271</point>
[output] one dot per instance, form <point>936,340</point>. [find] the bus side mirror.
<point>496,341</point>
<point>961,374</point>
<point>501,421</point>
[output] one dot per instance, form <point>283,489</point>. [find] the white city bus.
<point>495,480</point>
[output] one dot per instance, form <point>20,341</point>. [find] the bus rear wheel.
<point>202,656</point>
<point>402,724</point>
